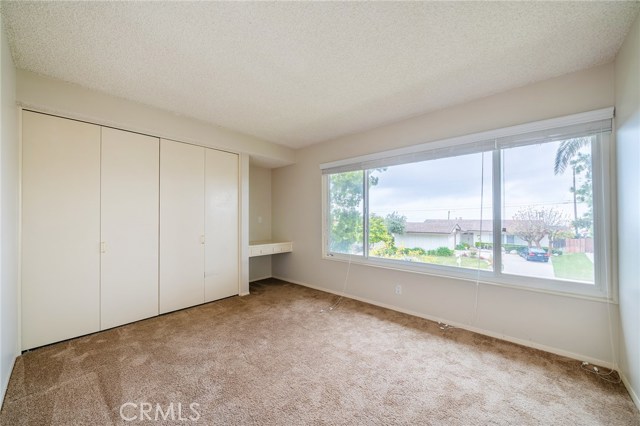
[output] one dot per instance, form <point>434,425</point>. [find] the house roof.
<point>486,225</point>
<point>447,226</point>
<point>432,226</point>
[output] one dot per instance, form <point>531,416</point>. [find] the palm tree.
<point>567,150</point>
<point>565,156</point>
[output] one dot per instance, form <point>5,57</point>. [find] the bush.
<point>416,251</point>
<point>441,251</point>
<point>484,246</point>
<point>516,247</point>
<point>462,246</point>
<point>385,251</point>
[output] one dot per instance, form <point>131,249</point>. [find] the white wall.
<point>8,216</point>
<point>425,241</point>
<point>627,90</point>
<point>572,326</point>
<point>57,97</point>
<point>259,219</point>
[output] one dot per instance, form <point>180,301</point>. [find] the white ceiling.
<point>301,73</point>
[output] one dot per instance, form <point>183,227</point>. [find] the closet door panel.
<point>221,224</point>
<point>130,197</point>
<point>60,229</point>
<point>182,206</point>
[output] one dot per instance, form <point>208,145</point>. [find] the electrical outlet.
<point>398,289</point>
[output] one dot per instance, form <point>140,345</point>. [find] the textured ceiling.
<point>300,73</point>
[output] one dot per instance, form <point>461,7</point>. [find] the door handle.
<point>103,247</point>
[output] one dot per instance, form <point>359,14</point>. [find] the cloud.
<point>452,187</point>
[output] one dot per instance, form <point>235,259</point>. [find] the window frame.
<point>604,239</point>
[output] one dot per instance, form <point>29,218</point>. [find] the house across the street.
<point>434,233</point>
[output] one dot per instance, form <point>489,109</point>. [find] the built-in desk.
<point>264,248</point>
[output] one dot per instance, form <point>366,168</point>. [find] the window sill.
<point>556,287</point>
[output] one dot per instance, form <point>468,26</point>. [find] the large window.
<point>547,207</point>
<point>526,207</point>
<point>346,212</point>
<point>432,212</point>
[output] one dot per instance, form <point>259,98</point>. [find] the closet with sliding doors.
<point>119,226</point>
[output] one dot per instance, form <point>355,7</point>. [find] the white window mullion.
<point>365,213</point>
<point>496,182</point>
<point>601,215</point>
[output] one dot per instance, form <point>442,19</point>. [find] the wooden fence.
<point>578,245</point>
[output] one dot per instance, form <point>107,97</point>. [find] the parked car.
<point>534,254</point>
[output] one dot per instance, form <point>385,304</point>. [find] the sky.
<point>452,187</point>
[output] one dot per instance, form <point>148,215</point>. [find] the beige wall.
<point>568,325</point>
<point>628,176</point>
<point>57,97</point>
<point>9,312</point>
<point>259,218</point>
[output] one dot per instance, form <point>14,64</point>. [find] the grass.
<point>466,262</point>
<point>573,266</point>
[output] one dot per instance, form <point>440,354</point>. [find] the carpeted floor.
<point>272,358</point>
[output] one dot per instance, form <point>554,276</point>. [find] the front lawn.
<point>466,262</point>
<point>573,266</point>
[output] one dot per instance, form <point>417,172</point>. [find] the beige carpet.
<point>272,358</point>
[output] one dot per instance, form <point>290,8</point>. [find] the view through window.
<point>431,212</point>
<point>439,212</point>
<point>547,206</point>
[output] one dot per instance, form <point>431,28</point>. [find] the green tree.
<point>378,232</point>
<point>396,223</point>
<point>567,150</point>
<point>570,153</point>
<point>583,193</point>
<point>346,193</point>
<point>345,198</point>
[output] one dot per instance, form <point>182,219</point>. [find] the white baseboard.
<point>260,278</point>
<point>482,331</point>
<point>632,393</point>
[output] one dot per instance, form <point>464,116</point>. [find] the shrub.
<point>385,251</point>
<point>441,251</point>
<point>484,246</point>
<point>516,247</point>
<point>462,246</point>
<point>416,251</point>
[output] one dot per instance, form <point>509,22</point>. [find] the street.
<point>514,264</point>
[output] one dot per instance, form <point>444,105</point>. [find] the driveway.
<point>514,264</point>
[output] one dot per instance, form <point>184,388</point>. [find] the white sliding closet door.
<point>60,229</point>
<point>181,225</point>
<point>221,224</point>
<point>130,197</point>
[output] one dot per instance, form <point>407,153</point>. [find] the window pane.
<point>346,195</point>
<point>430,212</point>
<point>547,212</point>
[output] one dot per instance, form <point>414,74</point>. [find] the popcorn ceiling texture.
<point>301,73</point>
